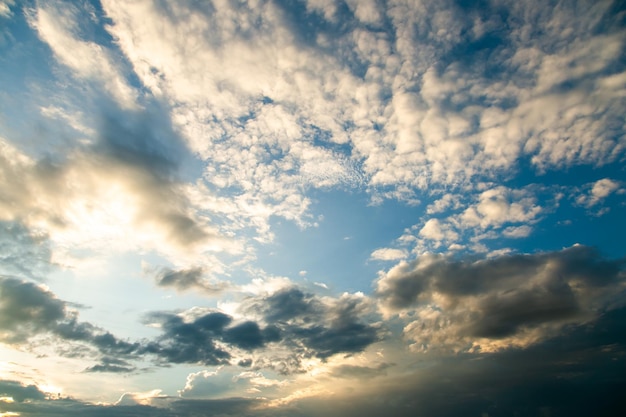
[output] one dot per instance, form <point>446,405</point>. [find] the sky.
<point>312,208</point>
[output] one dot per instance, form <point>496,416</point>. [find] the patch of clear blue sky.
<point>337,252</point>
<point>571,223</point>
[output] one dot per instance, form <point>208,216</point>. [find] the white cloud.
<point>438,232</point>
<point>5,8</point>
<point>596,192</point>
<point>501,205</point>
<point>517,231</point>
<point>448,201</point>
<point>265,109</point>
<point>388,254</point>
<point>56,24</point>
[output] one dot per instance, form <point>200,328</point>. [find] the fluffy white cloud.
<point>264,102</point>
<point>598,191</point>
<point>436,231</point>
<point>501,205</point>
<point>388,254</point>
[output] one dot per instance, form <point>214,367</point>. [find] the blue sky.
<point>312,208</point>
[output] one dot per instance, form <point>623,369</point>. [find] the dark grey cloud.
<point>20,392</point>
<point>290,305</point>
<point>71,407</point>
<point>306,325</point>
<point>113,365</point>
<point>314,327</point>
<point>577,373</point>
<point>290,318</point>
<point>328,341</point>
<point>189,342</point>
<point>512,296</point>
<point>28,310</point>
<point>187,279</point>
<point>206,338</point>
<point>358,372</point>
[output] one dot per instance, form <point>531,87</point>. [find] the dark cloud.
<point>289,305</point>
<point>20,392</point>
<point>314,327</point>
<point>185,279</point>
<point>327,341</point>
<point>574,374</point>
<point>113,365</point>
<point>29,401</point>
<point>69,407</point>
<point>306,324</point>
<point>247,335</point>
<point>204,339</point>
<point>511,297</point>
<point>189,342</point>
<point>301,322</point>
<point>28,310</point>
<point>579,373</point>
<point>353,371</point>
<point>224,407</point>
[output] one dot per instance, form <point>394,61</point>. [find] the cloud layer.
<point>312,207</point>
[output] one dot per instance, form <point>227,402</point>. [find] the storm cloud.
<point>511,300</point>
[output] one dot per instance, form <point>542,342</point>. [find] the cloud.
<point>501,205</point>
<point>353,371</point>
<point>598,191</point>
<point>5,8</point>
<point>120,192</point>
<point>24,252</point>
<point>315,327</point>
<point>434,230</point>
<point>388,254</point>
<point>186,279</point>
<point>111,365</point>
<point>464,222</point>
<point>19,392</point>
<point>189,342</point>
<point>573,373</point>
<point>57,25</point>
<point>510,300</point>
<point>29,311</point>
<point>281,330</point>
<point>229,383</point>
